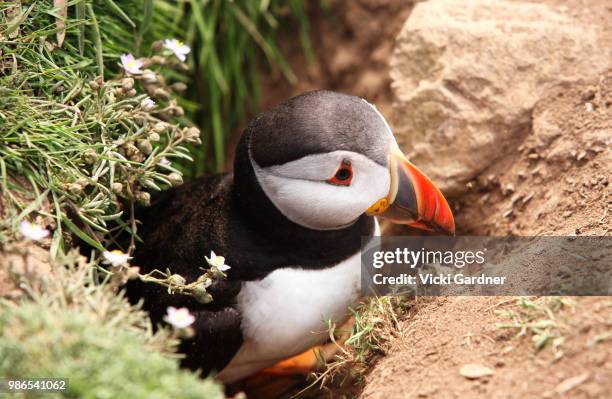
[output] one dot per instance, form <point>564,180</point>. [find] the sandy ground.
<point>446,334</point>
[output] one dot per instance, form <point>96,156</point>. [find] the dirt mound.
<point>557,181</point>
<point>449,333</point>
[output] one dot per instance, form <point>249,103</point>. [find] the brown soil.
<point>554,183</point>
<point>557,180</point>
<point>448,333</point>
<point>352,43</point>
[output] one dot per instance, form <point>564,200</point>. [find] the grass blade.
<point>117,10</point>
<point>97,39</point>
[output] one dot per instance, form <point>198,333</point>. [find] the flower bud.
<point>161,94</point>
<point>176,279</point>
<point>117,188</point>
<point>156,59</point>
<point>205,280</point>
<point>160,127</point>
<point>192,133</point>
<point>129,150</point>
<point>127,84</point>
<point>83,182</point>
<point>143,198</point>
<point>179,87</point>
<point>138,157</point>
<point>200,294</point>
<point>75,188</point>
<point>94,85</point>
<point>144,146</point>
<point>185,333</point>
<point>175,178</point>
<point>157,45</point>
<point>118,91</point>
<point>154,136</point>
<point>89,156</point>
<point>131,92</point>
<point>147,104</point>
<point>132,272</point>
<point>178,111</point>
<point>149,76</point>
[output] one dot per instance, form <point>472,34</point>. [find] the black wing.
<point>177,232</point>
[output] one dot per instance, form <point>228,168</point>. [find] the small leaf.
<point>81,234</point>
<point>16,20</point>
<point>97,39</point>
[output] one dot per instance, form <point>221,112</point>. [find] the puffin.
<point>311,176</point>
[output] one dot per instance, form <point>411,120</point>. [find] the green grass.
<point>232,42</point>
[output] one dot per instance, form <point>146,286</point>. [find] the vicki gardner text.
<point>439,279</point>
<point>413,258</point>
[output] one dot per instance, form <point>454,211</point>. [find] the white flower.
<point>217,261</point>
<point>33,231</point>
<point>165,161</point>
<point>179,318</point>
<point>115,258</point>
<point>179,48</point>
<point>131,64</point>
<point>147,104</point>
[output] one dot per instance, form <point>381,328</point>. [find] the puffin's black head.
<point>324,159</point>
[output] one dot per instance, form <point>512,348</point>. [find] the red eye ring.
<point>343,175</point>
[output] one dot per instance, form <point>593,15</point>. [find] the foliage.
<point>87,145</point>
<point>73,328</point>
<point>228,39</point>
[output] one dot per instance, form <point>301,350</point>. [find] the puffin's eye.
<point>343,175</point>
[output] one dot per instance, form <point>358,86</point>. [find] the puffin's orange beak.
<point>413,199</point>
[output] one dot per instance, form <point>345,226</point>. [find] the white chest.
<point>290,304</point>
<point>289,311</point>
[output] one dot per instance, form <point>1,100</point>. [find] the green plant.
<point>71,327</point>
<point>228,39</point>
<point>538,318</point>
<point>89,146</point>
<point>376,322</point>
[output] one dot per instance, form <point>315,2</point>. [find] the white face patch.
<point>300,192</point>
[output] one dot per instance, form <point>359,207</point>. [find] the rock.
<point>474,371</point>
<point>570,383</point>
<point>466,76</point>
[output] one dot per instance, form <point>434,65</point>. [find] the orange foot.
<point>287,375</point>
